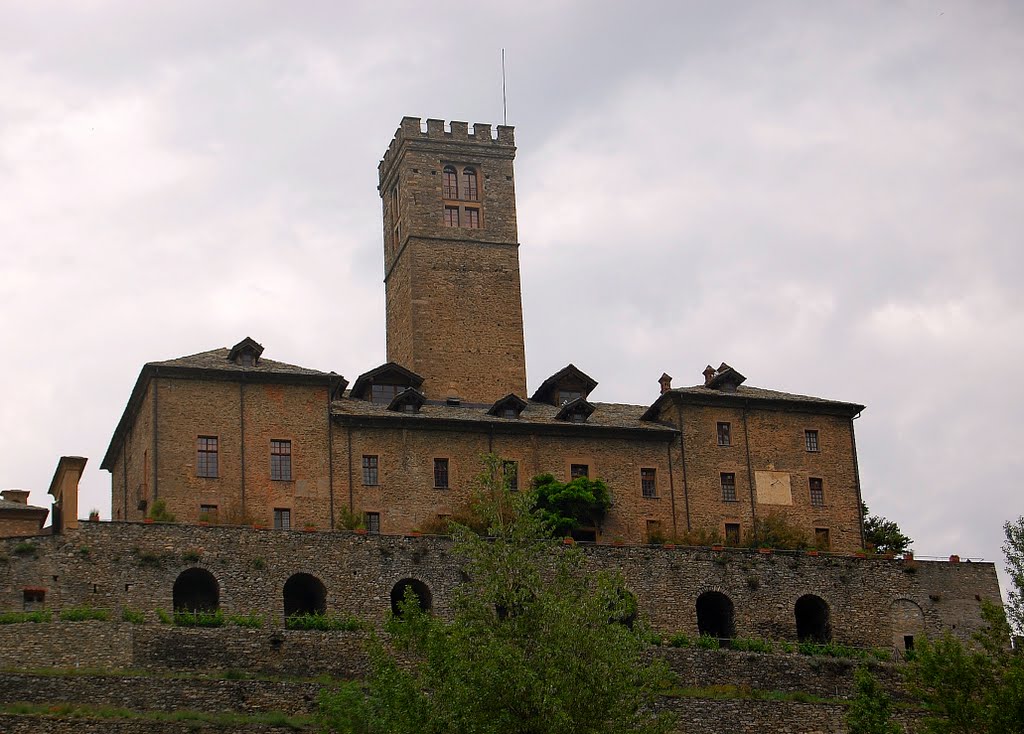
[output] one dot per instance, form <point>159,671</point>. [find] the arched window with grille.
<point>450,185</point>
<point>469,184</point>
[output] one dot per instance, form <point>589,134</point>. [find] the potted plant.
<point>569,540</point>
<point>309,527</point>
<point>94,515</point>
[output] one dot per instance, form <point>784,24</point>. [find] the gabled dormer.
<point>246,353</point>
<point>725,378</point>
<point>575,411</point>
<point>566,385</point>
<point>509,406</point>
<point>409,400</point>
<point>383,384</point>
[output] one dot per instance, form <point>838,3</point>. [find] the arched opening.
<point>196,590</point>
<point>715,615</point>
<point>812,619</point>
<point>469,188</point>
<point>450,183</point>
<point>419,589</point>
<point>304,594</point>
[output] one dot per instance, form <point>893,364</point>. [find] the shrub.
<point>199,618</point>
<point>149,559</point>
<point>83,614</point>
<point>348,520</point>
<point>25,548</point>
<point>751,644</point>
<point>252,621</point>
<point>323,622</point>
<point>700,537</point>
<point>191,556</point>
<point>258,564</point>
<point>158,512</point>
<point>566,506</point>
<point>679,640</point>
<point>164,617</point>
<point>707,642</point>
<point>775,531</point>
<point>84,551</point>
<point>133,616</point>
<point>17,617</point>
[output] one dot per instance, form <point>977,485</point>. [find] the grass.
<point>25,548</point>
<point>18,617</point>
<point>251,621</point>
<point>84,614</point>
<point>732,692</point>
<point>324,622</point>
<point>81,711</point>
<point>133,615</point>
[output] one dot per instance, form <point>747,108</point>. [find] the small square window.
<point>578,470</point>
<point>208,513</point>
<point>206,457</point>
<point>649,482</point>
<point>441,473</point>
<point>811,440</point>
<point>280,460</point>
<point>724,434</point>
<point>732,534</point>
<point>728,487</point>
<point>369,470</point>
<point>821,539</point>
<point>817,492</point>
<point>510,469</point>
<point>372,522</point>
<point>282,519</point>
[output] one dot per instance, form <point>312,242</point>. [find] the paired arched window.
<point>469,187</point>
<point>450,184</point>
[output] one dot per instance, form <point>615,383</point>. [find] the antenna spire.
<point>504,100</point>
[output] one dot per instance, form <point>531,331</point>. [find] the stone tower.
<point>451,260</point>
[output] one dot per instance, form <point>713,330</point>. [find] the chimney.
<point>709,375</point>
<point>665,381</point>
<point>15,495</point>
<point>64,488</point>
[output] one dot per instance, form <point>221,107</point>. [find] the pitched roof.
<point>569,373</point>
<point>219,360</point>
<point>700,394</point>
<point>9,505</point>
<point>390,372</point>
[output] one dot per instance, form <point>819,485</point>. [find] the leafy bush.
<point>751,644</point>
<point>164,617</point>
<point>679,640</point>
<point>191,556</point>
<point>17,617</point>
<point>775,531</point>
<point>348,520</point>
<point>199,618</point>
<point>252,621</point>
<point>83,614</point>
<point>132,615</point>
<point>700,537</point>
<point>158,512</point>
<point>25,548</point>
<point>567,506</point>
<point>149,559</point>
<point>323,622</point>
<point>707,642</point>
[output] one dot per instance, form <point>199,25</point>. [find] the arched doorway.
<point>715,615</point>
<point>196,590</point>
<point>419,589</point>
<point>907,624</point>
<point>304,594</point>
<point>812,619</point>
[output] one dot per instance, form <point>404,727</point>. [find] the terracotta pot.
<point>718,547</point>
<point>148,521</point>
<point>954,559</point>
<point>669,546</point>
<point>812,552</point>
<point>568,540</point>
<point>360,531</point>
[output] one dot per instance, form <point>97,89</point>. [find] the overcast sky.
<point>825,195</point>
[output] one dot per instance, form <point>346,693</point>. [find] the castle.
<point>228,435</point>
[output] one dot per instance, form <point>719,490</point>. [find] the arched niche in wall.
<point>907,624</point>
<point>304,594</point>
<point>419,589</point>
<point>715,616</point>
<point>813,623</point>
<point>196,590</point>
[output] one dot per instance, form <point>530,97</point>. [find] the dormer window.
<point>565,396</point>
<point>509,407</point>
<point>568,384</point>
<point>246,353</point>
<point>409,400</point>
<point>724,379</point>
<point>385,383</point>
<point>384,394</point>
<point>509,413</point>
<point>575,411</point>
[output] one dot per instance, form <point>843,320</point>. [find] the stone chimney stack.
<point>709,375</point>
<point>15,495</point>
<point>665,381</point>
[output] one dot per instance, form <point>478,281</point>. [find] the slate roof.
<point>217,359</point>
<point>744,393</point>
<point>8,505</point>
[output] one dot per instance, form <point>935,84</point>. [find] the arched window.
<point>304,594</point>
<point>812,619</point>
<point>469,187</point>
<point>419,589</point>
<point>450,184</point>
<point>715,615</point>
<point>196,590</point>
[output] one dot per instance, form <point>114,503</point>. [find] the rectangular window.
<point>565,396</point>
<point>811,440</point>
<point>33,599</point>
<point>578,470</point>
<point>472,217</point>
<point>208,513</point>
<point>511,471</point>
<point>384,394</point>
<point>280,459</point>
<point>728,487</point>
<point>373,522</point>
<point>451,216</point>
<point>369,470</point>
<point>649,482</point>
<point>441,473</point>
<point>206,457</point>
<point>821,539</point>
<point>282,519</point>
<point>732,534</point>
<point>817,492</point>
<point>724,434</point>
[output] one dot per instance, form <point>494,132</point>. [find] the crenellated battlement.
<point>413,128</point>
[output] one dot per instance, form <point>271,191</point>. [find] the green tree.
<point>567,506</point>
<point>535,644</point>
<point>870,710</point>
<point>884,536</point>
<point>1013,549</point>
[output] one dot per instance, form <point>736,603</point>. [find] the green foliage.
<point>350,520</point>
<point>701,537</point>
<point>707,642</point>
<point>158,512</point>
<point>1013,549</point>
<point>532,647</point>
<point>679,640</point>
<point>133,616</point>
<point>567,506</point>
<point>752,644</point>
<point>773,530</point>
<point>164,617</point>
<point>251,621</point>
<point>17,617</point>
<point>191,556</point>
<point>258,564</point>
<point>324,622</point>
<point>870,710</point>
<point>199,618</point>
<point>149,559</point>
<point>25,548</point>
<point>884,536</point>
<point>83,614</point>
